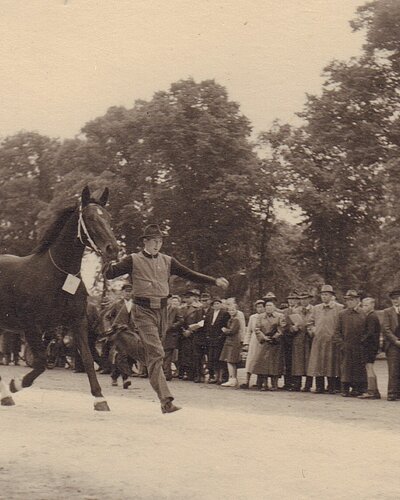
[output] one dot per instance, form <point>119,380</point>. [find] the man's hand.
<point>397,343</point>
<point>222,282</point>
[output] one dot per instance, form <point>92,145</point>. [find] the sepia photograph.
<point>199,249</point>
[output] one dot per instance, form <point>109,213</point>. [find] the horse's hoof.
<point>101,406</point>
<point>7,401</point>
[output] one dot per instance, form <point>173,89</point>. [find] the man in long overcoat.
<point>301,344</point>
<point>350,330</point>
<point>391,331</point>
<point>253,346</point>
<point>324,356</point>
<point>370,347</point>
<point>216,319</point>
<point>269,332</point>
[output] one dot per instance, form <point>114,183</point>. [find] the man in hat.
<point>200,345</point>
<point>191,317</point>
<point>391,331</point>
<point>254,348</point>
<point>150,271</point>
<point>120,313</point>
<point>370,347</point>
<point>301,345</point>
<point>293,301</point>
<point>215,319</point>
<point>324,356</point>
<point>350,330</point>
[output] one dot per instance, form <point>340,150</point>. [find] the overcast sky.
<point>64,62</point>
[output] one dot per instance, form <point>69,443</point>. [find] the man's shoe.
<point>306,389</point>
<point>391,398</point>
<point>169,407</point>
<point>345,394</point>
<point>369,396</point>
<point>114,383</point>
<point>126,384</point>
<point>244,386</point>
<point>319,391</point>
<point>104,371</point>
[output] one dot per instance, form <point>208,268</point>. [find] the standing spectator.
<point>215,320</point>
<point>350,330</point>
<point>301,345</point>
<point>239,315</point>
<point>391,331</point>
<point>253,347</point>
<point>1,348</point>
<point>292,301</point>
<point>192,314</point>
<point>11,347</point>
<point>200,346</point>
<point>269,332</point>
<point>370,347</point>
<point>324,356</point>
<point>170,341</point>
<point>232,346</point>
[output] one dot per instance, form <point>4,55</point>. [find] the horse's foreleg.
<point>5,395</point>
<point>81,338</point>
<point>39,363</point>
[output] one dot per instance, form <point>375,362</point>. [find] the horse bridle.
<point>83,229</point>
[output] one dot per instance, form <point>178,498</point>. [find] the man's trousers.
<point>151,325</point>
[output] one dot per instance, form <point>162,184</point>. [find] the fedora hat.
<point>352,294</point>
<point>327,289</point>
<point>269,296</point>
<point>152,231</point>
<point>192,292</point>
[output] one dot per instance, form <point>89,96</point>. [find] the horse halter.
<point>83,229</point>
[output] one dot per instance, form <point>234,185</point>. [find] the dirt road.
<point>225,443</point>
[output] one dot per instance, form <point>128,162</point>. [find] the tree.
<point>336,163</point>
<point>26,186</point>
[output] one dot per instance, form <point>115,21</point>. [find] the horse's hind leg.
<point>38,365</point>
<point>81,338</point>
<point>5,395</point>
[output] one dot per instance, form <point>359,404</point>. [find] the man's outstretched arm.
<point>182,271</point>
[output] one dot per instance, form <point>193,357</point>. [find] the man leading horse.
<point>150,271</point>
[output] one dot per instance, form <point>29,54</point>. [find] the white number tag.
<point>71,284</point>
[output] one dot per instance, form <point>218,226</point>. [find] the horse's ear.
<point>85,198</point>
<point>104,197</point>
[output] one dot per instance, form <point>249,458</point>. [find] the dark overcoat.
<point>270,360</point>
<point>350,330</point>
<point>301,344</point>
<point>175,322</point>
<point>232,347</point>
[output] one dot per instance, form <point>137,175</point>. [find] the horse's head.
<point>94,228</point>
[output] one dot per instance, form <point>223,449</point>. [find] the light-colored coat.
<point>325,354</point>
<point>255,347</point>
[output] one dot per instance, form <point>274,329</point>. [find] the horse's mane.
<point>51,233</point>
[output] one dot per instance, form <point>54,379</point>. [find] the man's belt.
<point>151,302</point>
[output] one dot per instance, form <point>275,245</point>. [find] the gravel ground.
<point>225,443</point>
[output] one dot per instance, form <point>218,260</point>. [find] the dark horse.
<point>44,289</point>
